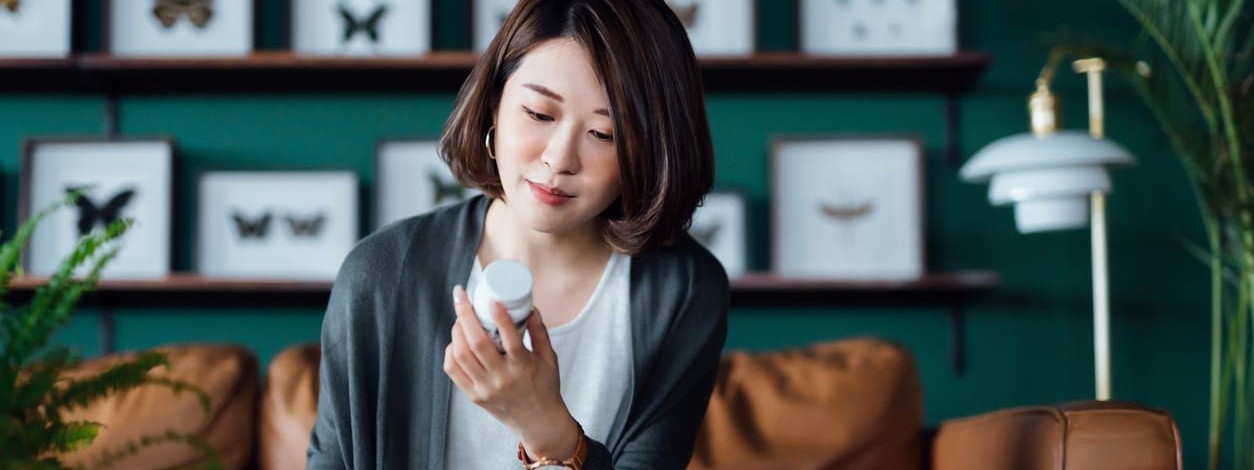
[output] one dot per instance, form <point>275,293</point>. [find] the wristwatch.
<point>575,462</point>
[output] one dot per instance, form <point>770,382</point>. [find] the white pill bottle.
<point>508,282</point>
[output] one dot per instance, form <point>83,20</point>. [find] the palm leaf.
<point>1168,24</point>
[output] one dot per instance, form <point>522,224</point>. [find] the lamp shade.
<point>1048,178</point>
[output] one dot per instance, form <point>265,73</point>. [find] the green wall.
<point>1030,343</point>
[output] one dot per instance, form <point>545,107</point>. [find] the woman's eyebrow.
<point>543,90</point>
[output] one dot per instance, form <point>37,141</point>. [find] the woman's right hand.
<point>519,388</point>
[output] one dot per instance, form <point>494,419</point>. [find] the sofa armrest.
<point>853,404</point>
<point>1083,435</point>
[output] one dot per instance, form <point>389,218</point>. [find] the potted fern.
<point>33,393</point>
<point>1200,89</point>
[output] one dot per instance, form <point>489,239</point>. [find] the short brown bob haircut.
<point>643,58</point>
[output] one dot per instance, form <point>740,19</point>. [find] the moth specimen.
<point>168,12</point>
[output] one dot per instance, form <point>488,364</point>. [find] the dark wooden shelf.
<point>284,72</point>
<point>949,291</point>
<point>194,289</point>
<point>752,289</point>
<point>944,289</point>
<point>21,75</point>
<point>189,283</point>
<point>791,72</point>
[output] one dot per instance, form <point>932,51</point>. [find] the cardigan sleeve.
<point>345,369</point>
<point>675,396</point>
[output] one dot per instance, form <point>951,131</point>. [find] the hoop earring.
<point>487,143</point>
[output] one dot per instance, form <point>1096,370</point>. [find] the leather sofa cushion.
<point>1074,436</point>
<point>289,407</point>
<point>228,374</point>
<point>849,404</point>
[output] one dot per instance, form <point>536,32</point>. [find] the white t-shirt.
<point>594,362</point>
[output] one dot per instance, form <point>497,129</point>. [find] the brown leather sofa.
<point>849,404</point>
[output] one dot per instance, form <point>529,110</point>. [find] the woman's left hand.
<point>520,388</point>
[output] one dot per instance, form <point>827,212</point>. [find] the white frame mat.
<point>721,225</point>
<point>372,27</point>
<point>411,179</point>
<point>847,208</point>
<point>128,179</point>
<point>879,27</point>
<point>36,29</point>
<point>718,27</point>
<point>136,29</point>
<point>276,225</point>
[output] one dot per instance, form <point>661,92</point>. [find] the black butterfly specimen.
<point>251,228</point>
<point>168,12</point>
<point>707,234</point>
<point>305,227</point>
<point>687,14</point>
<point>368,25</point>
<point>11,5</point>
<point>847,213</point>
<point>445,190</point>
<point>91,215</point>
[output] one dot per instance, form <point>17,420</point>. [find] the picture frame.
<point>35,29</point>
<point>486,19</point>
<point>361,28</point>
<point>128,178</point>
<point>290,225</point>
<point>924,28</point>
<point>720,224</point>
<point>847,208</point>
<point>412,179</point>
<point>716,28</point>
<point>170,28</point>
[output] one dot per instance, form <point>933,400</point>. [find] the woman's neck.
<point>509,238</point>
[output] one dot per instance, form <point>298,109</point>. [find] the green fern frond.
<point>117,378</point>
<point>32,431</point>
<point>10,251</point>
<point>53,303</point>
<point>111,457</point>
<point>72,436</point>
<point>179,387</point>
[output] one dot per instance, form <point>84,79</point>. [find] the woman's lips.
<point>549,195</point>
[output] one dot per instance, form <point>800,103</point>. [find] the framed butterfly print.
<point>879,27</point>
<point>361,27</point>
<point>847,208</point>
<point>35,28</point>
<point>276,225</point>
<point>720,225</point>
<point>179,28</point>
<point>411,179</point>
<point>119,179</point>
<point>715,27</point>
<point>486,17</point>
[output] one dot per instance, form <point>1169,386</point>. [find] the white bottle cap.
<point>510,282</point>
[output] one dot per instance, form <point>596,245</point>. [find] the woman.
<point>583,125</point>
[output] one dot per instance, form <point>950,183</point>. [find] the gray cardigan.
<point>384,397</point>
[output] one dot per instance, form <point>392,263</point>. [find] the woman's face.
<point>554,140</point>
